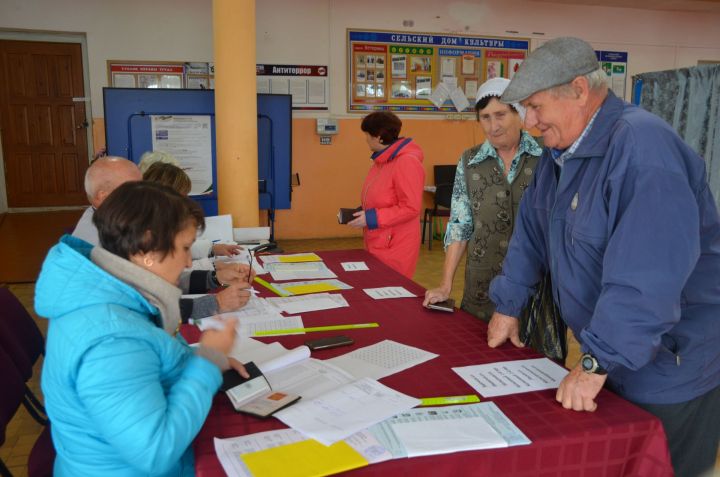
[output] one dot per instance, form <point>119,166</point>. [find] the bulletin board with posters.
<point>161,74</point>
<point>425,72</point>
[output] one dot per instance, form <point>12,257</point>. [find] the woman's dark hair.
<point>141,217</point>
<point>170,175</point>
<point>383,124</point>
<point>484,101</point>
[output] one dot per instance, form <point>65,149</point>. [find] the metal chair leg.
<point>430,236</point>
<point>423,228</point>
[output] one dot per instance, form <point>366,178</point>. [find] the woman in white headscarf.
<point>490,180</point>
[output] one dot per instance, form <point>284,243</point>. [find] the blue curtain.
<point>689,99</point>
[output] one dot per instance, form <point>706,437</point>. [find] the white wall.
<point>314,31</point>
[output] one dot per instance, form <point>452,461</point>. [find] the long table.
<point>619,439</point>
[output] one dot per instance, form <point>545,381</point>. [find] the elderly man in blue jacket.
<point>621,215</point>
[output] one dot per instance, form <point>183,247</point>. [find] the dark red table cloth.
<point>619,439</point>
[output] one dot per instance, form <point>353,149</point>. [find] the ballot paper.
<point>298,270</point>
<point>254,307</point>
<point>269,452</point>
<point>510,377</point>
<point>381,359</point>
<point>249,325</point>
<point>307,303</point>
<point>388,292</point>
<point>346,410</point>
<point>447,429</point>
<point>354,266</point>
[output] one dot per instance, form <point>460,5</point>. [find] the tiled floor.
<point>23,430</point>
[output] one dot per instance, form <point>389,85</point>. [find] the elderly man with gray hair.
<point>620,214</point>
<point>108,173</point>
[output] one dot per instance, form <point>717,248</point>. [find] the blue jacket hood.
<point>69,281</point>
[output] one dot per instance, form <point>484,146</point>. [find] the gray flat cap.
<point>557,62</point>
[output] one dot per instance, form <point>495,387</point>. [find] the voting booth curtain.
<point>689,99</point>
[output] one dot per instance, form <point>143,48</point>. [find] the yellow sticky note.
<point>304,459</point>
<point>300,257</point>
<point>312,288</point>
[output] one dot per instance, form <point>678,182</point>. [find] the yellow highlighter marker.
<point>441,401</point>
<point>316,328</point>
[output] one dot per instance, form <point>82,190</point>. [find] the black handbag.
<point>541,326</point>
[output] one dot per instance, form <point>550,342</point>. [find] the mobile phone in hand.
<point>447,305</point>
<point>327,343</point>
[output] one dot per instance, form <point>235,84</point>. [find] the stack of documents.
<point>307,303</point>
<point>298,271</point>
<point>346,410</point>
<point>271,452</point>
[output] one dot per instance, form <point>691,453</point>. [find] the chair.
<point>24,343</point>
<point>42,456</point>
<point>444,176</point>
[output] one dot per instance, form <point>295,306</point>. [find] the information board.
<point>425,72</point>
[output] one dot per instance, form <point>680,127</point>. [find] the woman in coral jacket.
<point>392,194</point>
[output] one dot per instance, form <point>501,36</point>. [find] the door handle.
<point>83,125</point>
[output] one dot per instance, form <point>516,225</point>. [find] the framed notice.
<point>614,64</point>
<point>160,74</point>
<point>423,72</point>
<point>146,75</point>
<point>308,84</point>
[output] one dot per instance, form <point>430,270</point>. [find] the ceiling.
<point>711,6</point>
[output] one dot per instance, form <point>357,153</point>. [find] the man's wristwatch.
<point>590,365</point>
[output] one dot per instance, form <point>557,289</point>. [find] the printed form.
<point>510,377</point>
<point>388,292</point>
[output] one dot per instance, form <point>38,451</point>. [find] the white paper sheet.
<point>459,100</point>
<point>354,266</point>
<point>251,234</point>
<point>307,303</point>
<point>381,359</point>
<point>340,413</point>
<point>218,229</point>
<point>439,95</point>
<point>383,293</point>
<point>289,288</point>
<point>246,349</point>
<point>511,377</point>
<point>308,378</point>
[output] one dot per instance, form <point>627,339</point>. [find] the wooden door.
<point>43,123</point>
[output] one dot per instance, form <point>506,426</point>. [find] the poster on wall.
<point>188,139</point>
<point>425,72</point>
<point>614,64</point>
<point>308,84</point>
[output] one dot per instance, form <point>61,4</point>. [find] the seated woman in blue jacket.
<point>125,395</point>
